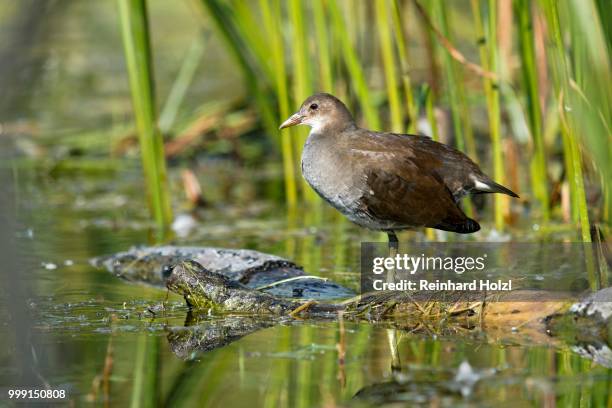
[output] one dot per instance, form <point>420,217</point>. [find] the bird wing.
<point>412,181</point>
<point>398,191</point>
<point>459,173</point>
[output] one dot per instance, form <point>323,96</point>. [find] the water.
<point>82,316</point>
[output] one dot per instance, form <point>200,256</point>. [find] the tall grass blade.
<point>180,86</point>
<point>539,175</point>
<point>241,49</point>
<point>591,96</point>
<point>462,123</point>
<point>248,26</point>
<point>402,50</point>
<point>561,82</point>
<point>354,67</point>
<point>135,33</point>
<point>387,50</point>
<point>326,78</point>
<point>462,126</point>
<point>272,15</point>
<point>302,80</point>
<point>145,381</point>
<point>431,113</point>
<point>488,47</point>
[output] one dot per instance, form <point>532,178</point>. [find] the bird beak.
<point>295,119</point>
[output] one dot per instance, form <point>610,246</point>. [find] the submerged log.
<point>254,269</point>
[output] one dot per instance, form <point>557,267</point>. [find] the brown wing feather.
<point>416,181</point>
<point>401,199</point>
<point>450,165</point>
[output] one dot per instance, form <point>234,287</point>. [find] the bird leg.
<point>393,247</point>
<point>392,333</point>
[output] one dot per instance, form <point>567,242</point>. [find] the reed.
<point>353,66</point>
<point>181,85</point>
<point>145,385</point>
<point>539,171</point>
<point>302,81</point>
<point>398,29</point>
<point>326,77</point>
<point>135,34</point>
<point>271,11</point>
<point>240,44</point>
<point>327,45</point>
<point>462,125</point>
<point>430,112</point>
<point>387,50</point>
<point>455,85</point>
<point>591,90</point>
<point>562,84</point>
<point>488,46</point>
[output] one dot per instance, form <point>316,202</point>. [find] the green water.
<point>77,311</point>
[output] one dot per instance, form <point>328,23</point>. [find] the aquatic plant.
<point>135,33</point>
<point>334,46</point>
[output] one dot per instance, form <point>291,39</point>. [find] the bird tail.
<point>466,227</point>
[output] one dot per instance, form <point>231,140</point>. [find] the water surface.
<point>84,318</point>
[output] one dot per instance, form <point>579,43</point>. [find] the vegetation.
<point>135,32</point>
<point>522,87</point>
<point>333,46</point>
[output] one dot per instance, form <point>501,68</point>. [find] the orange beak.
<point>293,120</point>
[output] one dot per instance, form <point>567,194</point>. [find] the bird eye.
<point>314,106</point>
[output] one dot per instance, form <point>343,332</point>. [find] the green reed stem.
<point>539,178</point>
<point>299,47</point>
<point>272,16</point>
<point>135,33</point>
<point>573,159</point>
<point>388,59</point>
<point>249,27</point>
<point>241,47</point>
<point>578,180</point>
<point>590,97</point>
<point>462,123</point>
<point>402,50</point>
<point>487,46</point>
<point>456,94</point>
<point>353,66</point>
<point>569,169</point>
<point>181,85</point>
<point>431,114</point>
<point>302,81</point>
<point>145,380</point>
<point>326,78</point>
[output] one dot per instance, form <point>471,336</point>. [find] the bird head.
<point>320,111</point>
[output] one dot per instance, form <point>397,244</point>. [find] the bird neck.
<point>332,127</point>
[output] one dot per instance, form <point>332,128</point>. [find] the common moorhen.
<point>386,181</point>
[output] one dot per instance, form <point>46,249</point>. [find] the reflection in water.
<point>193,339</point>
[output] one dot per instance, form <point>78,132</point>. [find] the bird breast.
<point>330,174</point>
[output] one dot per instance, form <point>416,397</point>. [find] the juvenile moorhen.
<point>386,181</point>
